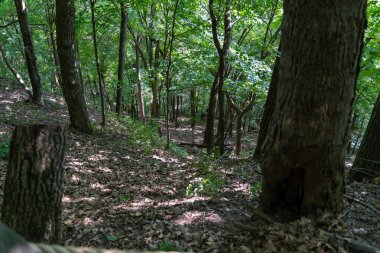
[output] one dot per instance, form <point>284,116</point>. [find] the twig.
<point>355,244</point>
<point>363,204</point>
<point>261,215</point>
<point>246,227</point>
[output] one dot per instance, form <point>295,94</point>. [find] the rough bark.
<point>19,79</point>
<point>269,105</point>
<point>30,57</point>
<point>367,161</point>
<point>139,85</point>
<point>217,87</point>
<point>34,183</point>
<point>302,163</point>
<point>120,70</point>
<point>72,86</point>
<point>100,78</point>
<point>239,119</point>
<point>155,90</point>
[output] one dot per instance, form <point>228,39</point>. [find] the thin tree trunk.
<point>120,70</point>
<point>100,79</point>
<point>155,102</point>
<point>139,85</point>
<point>19,79</point>
<point>72,86</point>
<point>34,183</point>
<point>31,61</point>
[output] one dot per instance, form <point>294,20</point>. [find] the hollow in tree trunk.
<point>34,183</point>
<point>303,152</point>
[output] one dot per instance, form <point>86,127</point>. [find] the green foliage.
<point>168,246</point>
<point>4,149</point>
<point>255,188</point>
<point>210,184</point>
<point>178,151</point>
<point>143,136</point>
<point>112,237</point>
<point>126,198</point>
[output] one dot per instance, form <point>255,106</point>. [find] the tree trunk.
<point>367,161</point>
<point>139,87</point>
<point>100,79</point>
<point>14,72</point>
<point>34,183</point>
<point>120,70</point>
<point>72,86</point>
<point>303,152</point>
<point>31,61</point>
<point>270,103</point>
<point>155,102</point>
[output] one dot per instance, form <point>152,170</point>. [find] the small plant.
<point>112,237</point>
<point>178,150</point>
<point>126,198</point>
<point>209,185</point>
<point>168,246</point>
<point>255,188</point>
<point>4,149</point>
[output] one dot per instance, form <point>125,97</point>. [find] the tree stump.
<point>34,183</point>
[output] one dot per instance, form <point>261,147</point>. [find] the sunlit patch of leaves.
<point>255,188</point>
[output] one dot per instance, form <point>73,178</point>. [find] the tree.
<point>30,57</point>
<point>120,70</point>
<point>239,119</point>
<point>34,183</point>
<point>139,85</point>
<point>302,162</point>
<point>367,161</point>
<point>217,87</point>
<point>72,86</point>
<point>100,77</point>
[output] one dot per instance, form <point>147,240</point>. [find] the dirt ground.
<point>118,195</point>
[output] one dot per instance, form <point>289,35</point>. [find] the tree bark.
<point>217,87</point>
<point>31,61</point>
<point>120,70</point>
<point>100,79</point>
<point>367,161</point>
<point>139,85</point>
<point>303,152</point>
<point>155,91</point>
<point>269,105</point>
<point>34,183</point>
<point>72,86</point>
<point>19,79</point>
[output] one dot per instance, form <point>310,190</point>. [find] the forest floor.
<point>120,193</point>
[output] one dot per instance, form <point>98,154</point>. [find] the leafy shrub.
<point>168,246</point>
<point>208,185</point>
<point>255,188</point>
<point>178,151</point>
<point>4,149</point>
<point>144,136</point>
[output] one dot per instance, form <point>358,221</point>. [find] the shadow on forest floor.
<point>118,196</point>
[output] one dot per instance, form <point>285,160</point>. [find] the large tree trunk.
<point>72,86</point>
<point>120,70</point>
<point>100,78</point>
<point>302,162</point>
<point>367,161</point>
<point>270,103</point>
<point>34,183</point>
<point>31,61</point>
